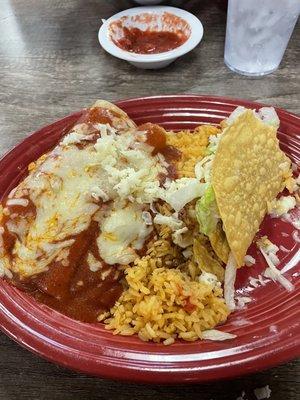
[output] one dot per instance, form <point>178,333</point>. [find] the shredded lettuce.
<point>213,144</point>
<point>206,206</point>
<point>207,211</point>
<point>210,149</point>
<point>182,191</point>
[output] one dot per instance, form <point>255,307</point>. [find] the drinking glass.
<point>257,34</point>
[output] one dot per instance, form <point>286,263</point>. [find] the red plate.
<point>91,349</point>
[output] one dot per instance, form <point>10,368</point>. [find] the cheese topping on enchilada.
<point>81,210</point>
<point>94,164</point>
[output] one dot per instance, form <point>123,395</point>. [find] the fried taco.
<point>244,170</point>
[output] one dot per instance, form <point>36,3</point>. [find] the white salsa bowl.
<point>152,18</point>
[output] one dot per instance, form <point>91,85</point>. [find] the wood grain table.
<point>51,65</point>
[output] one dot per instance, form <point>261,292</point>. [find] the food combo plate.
<point>267,329</point>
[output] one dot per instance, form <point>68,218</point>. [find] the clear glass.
<point>257,34</point>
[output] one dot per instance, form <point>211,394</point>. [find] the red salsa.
<point>149,42</point>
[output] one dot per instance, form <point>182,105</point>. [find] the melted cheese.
<point>68,187</point>
<point>122,232</point>
<point>94,264</point>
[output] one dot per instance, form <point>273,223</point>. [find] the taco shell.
<point>247,172</point>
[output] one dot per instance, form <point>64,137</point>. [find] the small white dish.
<point>147,2</point>
<point>135,17</point>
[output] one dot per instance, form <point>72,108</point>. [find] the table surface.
<point>51,65</point>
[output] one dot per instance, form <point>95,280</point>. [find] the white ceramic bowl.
<point>147,2</point>
<point>131,18</point>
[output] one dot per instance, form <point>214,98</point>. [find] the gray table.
<point>51,65</point>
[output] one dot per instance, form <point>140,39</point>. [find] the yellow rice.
<point>163,298</point>
<point>192,145</point>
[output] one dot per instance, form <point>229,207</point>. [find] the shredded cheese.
<point>249,260</point>
<point>170,221</point>
<point>17,202</point>
<point>229,280</point>
<point>273,273</point>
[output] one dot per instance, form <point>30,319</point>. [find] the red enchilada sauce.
<point>98,115</point>
<point>149,42</point>
<point>19,212</point>
<point>69,286</point>
<point>72,288</point>
<point>156,137</point>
